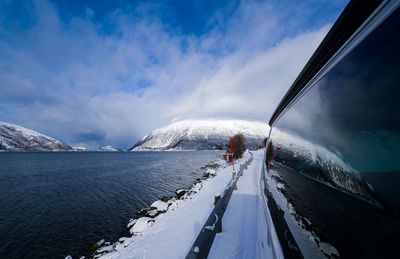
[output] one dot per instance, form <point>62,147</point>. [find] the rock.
<point>159,206</point>
<point>141,225</point>
<point>328,249</point>
<point>165,199</point>
<point>152,213</point>
<point>212,172</point>
<point>105,249</point>
<point>206,175</point>
<point>123,242</point>
<point>131,223</point>
<point>306,222</point>
<point>97,245</point>
<point>180,193</point>
<point>123,239</point>
<point>143,212</point>
<point>211,165</point>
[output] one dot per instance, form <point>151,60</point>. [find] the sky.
<point>95,73</point>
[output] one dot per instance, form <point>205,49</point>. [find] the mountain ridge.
<point>17,138</point>
<point>202,135</point>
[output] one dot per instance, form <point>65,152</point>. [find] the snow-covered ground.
<point>170,235</point>
<point>240,222</point>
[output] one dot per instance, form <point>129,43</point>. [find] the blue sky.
<point>93,73</point>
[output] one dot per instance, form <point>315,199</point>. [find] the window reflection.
<point>341,142</point>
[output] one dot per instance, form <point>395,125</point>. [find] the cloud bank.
<point>74,80</point>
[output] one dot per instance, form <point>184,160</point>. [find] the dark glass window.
<point>337,149</point>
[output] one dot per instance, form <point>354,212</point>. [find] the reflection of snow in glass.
<point>309,151</point>
<point>340,174</point>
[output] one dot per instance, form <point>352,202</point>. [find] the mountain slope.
<point>109,148</point>
<point>17,138</point>
<point>202,135</point>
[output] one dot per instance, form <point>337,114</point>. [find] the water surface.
<point>55,204</point>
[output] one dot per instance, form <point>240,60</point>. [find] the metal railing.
<point>202,245</point>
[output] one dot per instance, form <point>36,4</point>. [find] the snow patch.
<point>159,206</point>
<point>212,227</point>
<point>141,225</point>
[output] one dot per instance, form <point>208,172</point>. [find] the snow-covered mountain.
<point>109,148</point>
<point>202,135</point>
<point>17,138</point>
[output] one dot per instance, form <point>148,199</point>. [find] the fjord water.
<point>55,204</point>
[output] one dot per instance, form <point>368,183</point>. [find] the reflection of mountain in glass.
<point>320,164</point>
<point>349,120</point>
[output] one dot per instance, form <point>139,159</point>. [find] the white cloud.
<point>77,80</point>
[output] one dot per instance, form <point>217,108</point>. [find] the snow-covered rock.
<point>152,213</point>
<point>17,138</point>
<point>131,223</point>
<point>329,250</point>
<point>159,206</point>
<point>180,193</point>
<point>109,148</point>
<point>202,135</point>
<point>141,225</point>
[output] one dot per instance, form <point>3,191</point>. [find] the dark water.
<point>55,204</point>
